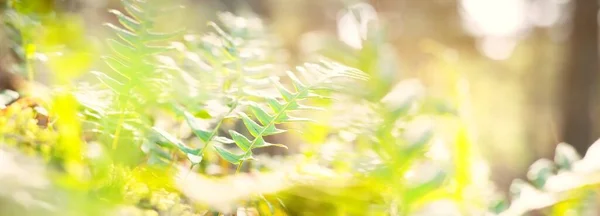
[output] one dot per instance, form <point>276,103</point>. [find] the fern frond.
<point>289,100</point>
<point>133,62</point>
<point>235,73</point>
<point>246,81</point>
<point>136,75</point>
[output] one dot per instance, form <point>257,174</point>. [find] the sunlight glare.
<point>495,17</point>
<point>544,13</point>
<point>497,23</point>
<point>497,48</point>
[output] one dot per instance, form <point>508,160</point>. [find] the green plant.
<point>266,122</point>
<point>137,78</point>
<point>158,134</point>
<point>19,126</point>
<point>566,185</point>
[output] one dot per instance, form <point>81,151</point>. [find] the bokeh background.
<point>530,67</point>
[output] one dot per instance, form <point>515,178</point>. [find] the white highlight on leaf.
<point>353,24</point>
<point>403,94</point>
<point>529,198</point>
<point>439,151</point>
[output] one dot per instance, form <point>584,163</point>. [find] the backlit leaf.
<point>240,140</point>
<point>228,156</point>
<point>194,124</point>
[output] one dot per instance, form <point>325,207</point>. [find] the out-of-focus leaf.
<point>176,142</point>
<point>424,188</point>
<point>540,171</point>
<point>126,21</point>
<point>565,156</point>
<point>230,157</point>
<point>240,140</point>
<point>204,135</point>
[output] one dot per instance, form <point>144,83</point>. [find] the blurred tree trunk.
<point>581,77</point>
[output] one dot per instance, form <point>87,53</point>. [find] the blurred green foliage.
<point>174,124</point>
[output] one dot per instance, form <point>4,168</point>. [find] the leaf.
<point>126,21</point>
<point>133,10</point>
<point>176,142</point>
<point>240,140</point>
<point>297,83</point>
<point>116,65</point>
<point>318,96</point>
<point>151,50</point>
<point>256,130</point>
<point>261,114</point>
<point>111,83</point>
<point>425,188</point>
<point>161,153</point>
<point>540,171</point>
<point>420,141</point>
<point>287,118</point>
<point>516,187</point>
<point>498,205</point>
<point>220,31</point>
<point>260,143</point>
<point>154,36</point>
<point>196,127</point>
<point>565,156</point>
<point>155,160</point>
<point>287,95</point>
<point>228,156</point>
<point>275,105</point>
<point>305,107</point>
<point>223,140</point>
<point>127,36</point>
<point>124,51</point>
<point>342,70</point>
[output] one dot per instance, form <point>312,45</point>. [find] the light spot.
<point>497,48</point>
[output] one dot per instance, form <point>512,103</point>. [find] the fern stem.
<point>239,167</point>
<point>214,132</point>
<point>119,126</point>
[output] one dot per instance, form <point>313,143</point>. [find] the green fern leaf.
<point>223,140</point>
<point>327,72</point>
<point>127,36</point>
<point>116,65</point>
<point>111,83</point>
<point>230,157</point>
<point>137,77</point>
<point>152,50</point>
<point>300,87</point>
<point>176,142</point>
<point>133,10</point>
<point>123,51</point>
<point>287,95</point>
<point>262,116</point>
<point>196,128</point>
<point>126,21</point>
<point>155,36</point>
<point>240,140</point>
<point>257,130</point>
<point>275,105</point>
